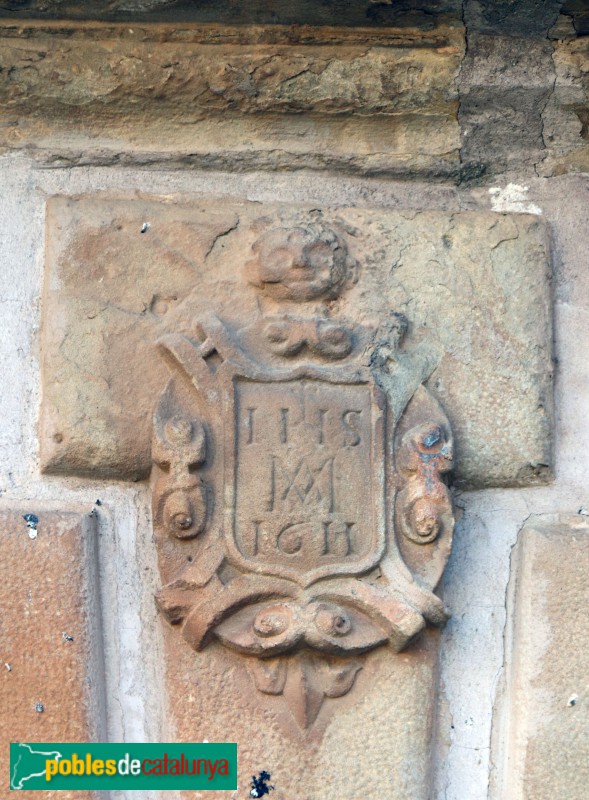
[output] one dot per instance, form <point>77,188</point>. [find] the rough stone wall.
<point>453,92</point>
<point>483,108</point>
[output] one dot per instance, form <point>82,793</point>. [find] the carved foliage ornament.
<point>298,491</point>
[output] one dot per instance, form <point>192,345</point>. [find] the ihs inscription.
<point>303,472</point>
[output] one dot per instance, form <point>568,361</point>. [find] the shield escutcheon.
<point>308,476</point>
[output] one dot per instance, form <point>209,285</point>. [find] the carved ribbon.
<point>287,337</point>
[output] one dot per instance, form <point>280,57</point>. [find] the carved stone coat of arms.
<point>298,493</point>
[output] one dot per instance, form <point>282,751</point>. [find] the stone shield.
<point>307,475</point>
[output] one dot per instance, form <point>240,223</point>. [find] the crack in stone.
<point>221,235</point>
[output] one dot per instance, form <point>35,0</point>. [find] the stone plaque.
<point>121,273</point>
<point>372,743</point>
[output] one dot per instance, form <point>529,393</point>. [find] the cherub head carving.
<point>300,263</point>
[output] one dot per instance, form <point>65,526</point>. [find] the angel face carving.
<point>316,522</point>
<point>300,264</point>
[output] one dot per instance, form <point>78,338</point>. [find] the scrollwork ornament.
<point>296,461</point>
<point>425,456</point>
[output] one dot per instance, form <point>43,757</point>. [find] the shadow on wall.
<point>525,18</point>
<point>356,13</point>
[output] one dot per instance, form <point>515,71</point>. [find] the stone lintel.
<point>447,33</point>
<point>369,100</point>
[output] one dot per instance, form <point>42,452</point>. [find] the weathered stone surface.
<point>566,116</point>
<point>505,82</point>
<point>546,754</point>
<point>578,13</point>
<point>216,79</point>
<point>474,288</point>
<point>377,747</point>
<point>370,100</point>
<point>51,673</point>
<point>531,18</point>
<point>524,94</point>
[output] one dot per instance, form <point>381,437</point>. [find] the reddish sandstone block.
<point>50,670</point>
<point>112,292</point>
